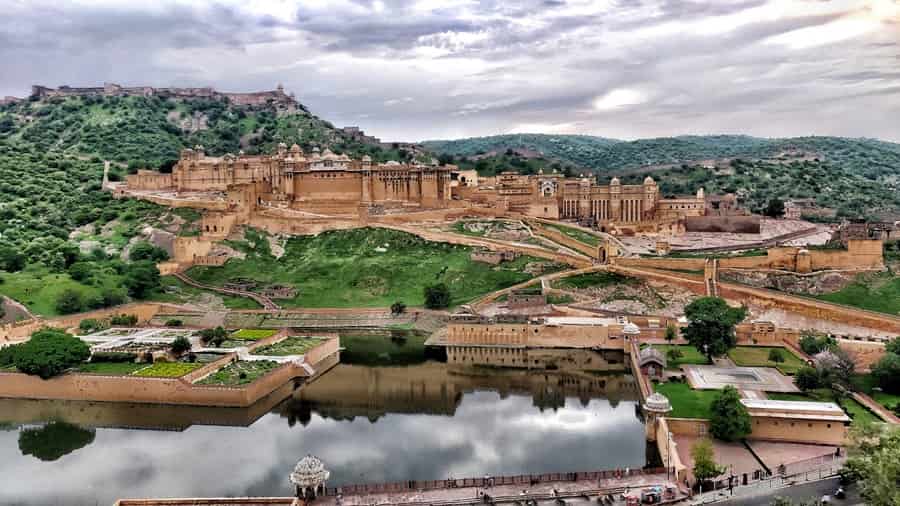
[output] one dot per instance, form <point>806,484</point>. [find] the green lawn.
<point>168,369</point>
<point>687,402</point>
<point>689,355</point>
<point>295,345</point>
<point>110,368</point>
<point>369,268</point>
<point>855,410</point>
<point>875,292</point>
<point>574,233</point>
<point>758,356</point>
<point>240,373</point>
<point>253,334</point>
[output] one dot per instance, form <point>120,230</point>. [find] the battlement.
<point>256,98</point>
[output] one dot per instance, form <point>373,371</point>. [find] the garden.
<point>294,345</point>
<point>242,372</point>
<point>684,354</point>
<point>253,334</point>
<point>687,402</point>
<point>760,356</point>
<point>167,369</point>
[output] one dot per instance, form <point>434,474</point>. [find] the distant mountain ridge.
<point>602,154</point>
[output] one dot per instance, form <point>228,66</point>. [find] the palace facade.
<point>326,183</point>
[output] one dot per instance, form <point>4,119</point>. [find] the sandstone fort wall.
<point>20,331</point>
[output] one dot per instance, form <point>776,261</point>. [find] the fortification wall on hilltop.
<point>256,98</point>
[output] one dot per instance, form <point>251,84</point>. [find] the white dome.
<point>615,180</point>
<point>631,329</point>
<point>310,472</point>
<point>657,403</point>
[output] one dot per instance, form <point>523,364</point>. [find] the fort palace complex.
<point>328,183</point>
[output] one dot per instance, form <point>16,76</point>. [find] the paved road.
<point>802,493</point>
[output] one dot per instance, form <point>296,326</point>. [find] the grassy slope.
<point>687,402</point>
<point>878,292</point>
<point>343,269</point>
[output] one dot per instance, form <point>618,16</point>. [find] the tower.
<point>615,199</point>
<point>655,407</point>
<point>651,194</point>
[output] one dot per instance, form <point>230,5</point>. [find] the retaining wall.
<point>20,331</point>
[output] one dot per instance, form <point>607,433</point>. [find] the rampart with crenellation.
<point>257,98</point>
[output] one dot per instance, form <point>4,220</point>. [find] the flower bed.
<point>290,346</point>
<point>240,373</point>
<point>168,369</point>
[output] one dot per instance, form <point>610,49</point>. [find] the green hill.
<point>51,165</point>
<point>577,150</point>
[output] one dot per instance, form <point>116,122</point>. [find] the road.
<point>798,494</point>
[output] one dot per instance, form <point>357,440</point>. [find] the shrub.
<point>671,333</point>
<point>214,336</point>
<point>69,301</point>
<point>80,271</point>
<point>142,278</point>
<point>88,325</point>
<point>887,372</point>
<point>776,355</point>
<point>807,378</point>
<point>398,308</point>
<point>174,322</point>
<point>180,345</point>
<point>437,296</point>
<point>811,344</point>
<point>50,352</point>
<point>113,356</point>
<point>145,251</point>
<point>124,320</point>
<point>674,354</point>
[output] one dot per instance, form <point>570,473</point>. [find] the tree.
<point>180,345</point>
<point>705,467</point>
<point>776,355</point>
<point>835,366</point>
<point>893,346</point>
<point>50,352</point>
<point>775,208</point>
<point>671,333</point>
<point>807,378</point>
<point>711,323</point>
<point>142,278</point>
<point>674,354</point>
<point>874,462</point>
<point>80,271</point>
<point>143,250</point>
<point>10,259</point>
<point>88,325</point>
<point>398,308</point>
<point>811,344</point>
<point>887,372</point>
<point>54,440</point>
<point>69,301</point>
<point>214,336</point>
<point>437,296</point>
<point>730,420</point>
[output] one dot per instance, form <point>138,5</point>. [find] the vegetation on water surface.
<point>370,267</point>
<point>240,373</point>
<point>761,356</point>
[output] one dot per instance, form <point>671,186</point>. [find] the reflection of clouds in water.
<point>486,436</point>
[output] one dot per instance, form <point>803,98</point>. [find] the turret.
<point>282,149</point>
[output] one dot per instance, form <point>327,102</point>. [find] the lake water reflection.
<point>367,423</point>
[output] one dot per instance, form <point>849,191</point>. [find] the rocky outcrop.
<point>805,284</point>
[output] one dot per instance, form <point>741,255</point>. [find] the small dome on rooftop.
<point>615,180</point>
<point>657,403</point>
<point>309,472</point>
<point>631,329</point>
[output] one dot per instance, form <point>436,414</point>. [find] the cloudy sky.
<point>420,69</point>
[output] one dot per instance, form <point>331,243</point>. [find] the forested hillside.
<point>62,239</point>
<point>858,177</point>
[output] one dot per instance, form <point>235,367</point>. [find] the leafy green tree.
<point>812,344</point>
<point>142,278</point>
<point>874,463</point>
<point>893,346</point>
<point>69,301</point>
<point>775,208</point>
<point>143,250</point>
<point>11,260</point>
<point>671,333</point>
<point>437,296</point>
<point>180,345</point>
<point>214,336</point>
<point>124,320</point>
<point>887,372</point>
<point>54,440</point>
<point>730,420</point>
<point>674,354</point>
<point>711,323</point>
<point>88,325</point>
<point>776,355</point>
<point>835,366</point>
<point>50,352</point>
<point>705,467</point>
<point>80,271</point>
<point>807,378</point>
